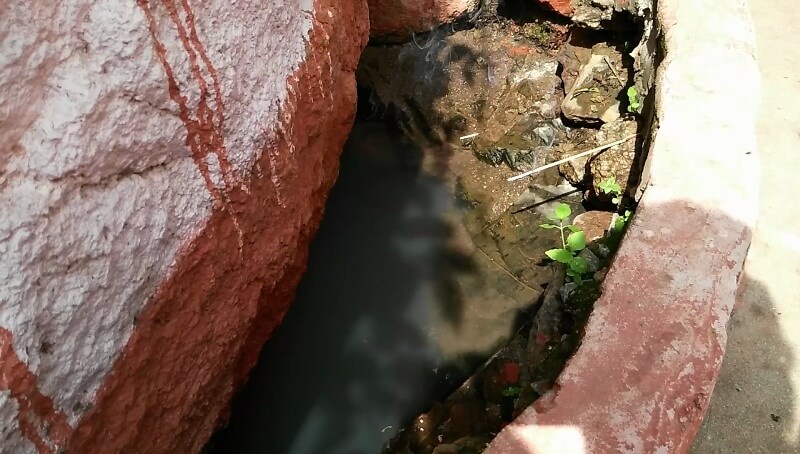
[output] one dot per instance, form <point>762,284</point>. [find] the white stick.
<point>611,67</point>
<point>469,136</point>
<point>579,155</point>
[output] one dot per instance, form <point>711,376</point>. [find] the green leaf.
<point>576,241</point>
<point>578,280</point>
<point>610,186</point>
<point>578,265</point>
<point>616,200</point>
<point>634,102</point>
<point>573,228</point>
<point>571,273</point>
<point>548,226</point>
<point>559,255</point>
<point>512,391</point>
<point>562,211</point>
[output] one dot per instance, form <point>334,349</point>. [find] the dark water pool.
<point>359,353</point>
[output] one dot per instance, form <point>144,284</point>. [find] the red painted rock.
<point>166,164</point>
<point>400,18</point>
<point>563,7</point>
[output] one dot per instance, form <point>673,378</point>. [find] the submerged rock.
<point>525,122</point>
<point>493,84</point>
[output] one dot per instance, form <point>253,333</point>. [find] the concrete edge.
<point>642,379</point>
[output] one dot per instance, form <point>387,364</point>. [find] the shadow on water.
<point>356,356</point>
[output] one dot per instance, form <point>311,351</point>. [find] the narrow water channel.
<point>359,354</point>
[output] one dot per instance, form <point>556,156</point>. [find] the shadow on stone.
<point>754,380</point>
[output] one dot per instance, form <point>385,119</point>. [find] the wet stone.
<point>595,93</point>
<point>485,80</point>
<point>615,162</point>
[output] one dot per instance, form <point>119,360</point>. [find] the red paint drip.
<point>39,421</point>
<point>204,125</point>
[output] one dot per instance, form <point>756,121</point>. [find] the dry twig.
<point>579,155</point>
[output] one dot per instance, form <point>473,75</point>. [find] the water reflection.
<point>357,355</point>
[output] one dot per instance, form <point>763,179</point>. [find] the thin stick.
<point>579,155</point>
<point>469,136</point>
<point>611,67</point>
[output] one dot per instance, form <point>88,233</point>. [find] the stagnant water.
<point>359,353</point>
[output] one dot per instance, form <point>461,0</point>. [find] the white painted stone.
<point>10,436</point>
<point>98,189</point>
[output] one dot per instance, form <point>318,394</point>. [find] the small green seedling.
<point>570,244</point>
<point>612,188</point>
<point>622,221</point>
<point>512,391</point>
<point>634,101</point>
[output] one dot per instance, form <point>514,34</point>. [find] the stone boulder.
<point>397,20</point>
<point>164,167</point>
<point>594,93</point>
<point>563,7</point>
<point>615,162</point>
<point>596,13</point>
<point>490,88</point>
<point>594,224</point>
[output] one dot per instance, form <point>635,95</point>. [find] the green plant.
<point>622,221</point>
<point>612,188</point>
<point>571,244</point>
<point>634,100</point>
<point>511,391</point>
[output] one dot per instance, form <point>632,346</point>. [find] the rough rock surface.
<point>493,84</point>
<point>593,95</point>
<point>560,6</point>
<point>159,186</point>
<point>398,19</point>
<point>615,162</point>
<point>595,13</point>
<point>594,224</point>
<point>642,378</point>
